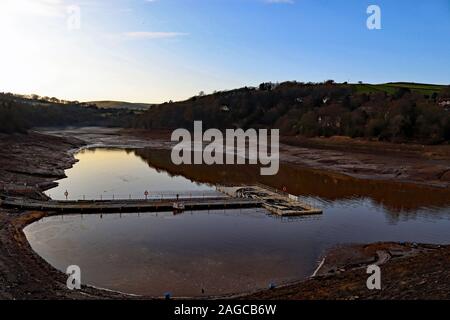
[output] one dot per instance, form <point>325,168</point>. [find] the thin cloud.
<point>153,35</point>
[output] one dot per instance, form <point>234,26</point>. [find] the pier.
<point>117,206</point>
<point>253,196</point>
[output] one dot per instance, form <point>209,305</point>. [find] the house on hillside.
<point>444,104</point>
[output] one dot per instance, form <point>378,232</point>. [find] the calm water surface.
<point>221,251</point>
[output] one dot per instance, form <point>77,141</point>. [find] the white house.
<point>444,103</point>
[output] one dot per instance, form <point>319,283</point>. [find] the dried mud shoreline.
<point>31,163</point>
<point>408,272</point>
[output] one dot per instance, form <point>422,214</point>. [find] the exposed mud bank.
<point>408,271</point>
<point>31,163</point>
<point>420,164</point>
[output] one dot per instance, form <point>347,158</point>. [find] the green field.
<point>392,87</point>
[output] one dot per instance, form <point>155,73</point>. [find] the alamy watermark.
<point>235,147</point>
<point>374,280</point>
<point>74,279</point>
<point>73,17</point>
<point>73,21</point>
<point>374,20</point>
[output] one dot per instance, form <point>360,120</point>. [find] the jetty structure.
<point>254,196</point>
<point>117,206</point>
<point>273,200</point>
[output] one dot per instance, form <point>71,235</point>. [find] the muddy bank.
<point>31,163</point>
<point>408,271</point>
<point>420,164</point>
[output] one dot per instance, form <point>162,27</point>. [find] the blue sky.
<point>153,51</point>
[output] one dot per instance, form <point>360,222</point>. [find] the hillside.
<point>396,112</point>
<point>121,105</point>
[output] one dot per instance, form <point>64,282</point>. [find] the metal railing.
<point>152,195</point>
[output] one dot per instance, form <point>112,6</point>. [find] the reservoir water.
<point>224,251</point>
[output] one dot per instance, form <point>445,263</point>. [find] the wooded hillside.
<point>406,112</point>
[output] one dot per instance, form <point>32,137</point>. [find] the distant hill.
<point>18,113</point>
<point>121,105</point>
